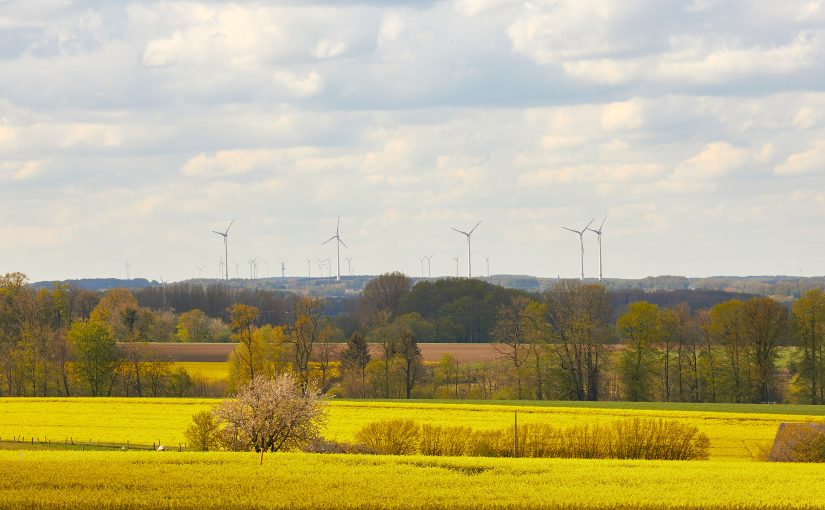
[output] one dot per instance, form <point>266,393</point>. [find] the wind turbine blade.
<point>571,230</point>
<point>230,226</point>
<point>219,233</point>
<point>342,242</point>
<point>330,239</point>
<point>600,226</point>
<point>588,224</point>
<point>474,228</point>
<point>460,231</point>
<point>338,225</point>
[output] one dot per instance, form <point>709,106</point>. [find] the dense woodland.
<point>575,341</point>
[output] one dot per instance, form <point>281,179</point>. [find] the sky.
<point>135,129</point>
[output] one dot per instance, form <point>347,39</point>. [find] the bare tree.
<point>305,334</point>
<point>271,415</point>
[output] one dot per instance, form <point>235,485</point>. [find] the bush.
<point>634,438</point>
<point>638,438</point>
<point>799,442</point>
<point>203,433</point>
<point>444,441</point>
<point>392,437</point>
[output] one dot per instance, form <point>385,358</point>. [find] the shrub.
<point>392,437</point>
<point>203,433</point>
<point>799,442</point>
<point>638,438</point>
<point>444,441</point>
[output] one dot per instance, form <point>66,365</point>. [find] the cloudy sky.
<point>135,129</point>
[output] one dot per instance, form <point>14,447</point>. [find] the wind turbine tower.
<point>421,259</point>
<point>128,266</point>
<point>283,269</point>
<point>338,244</point>
<point>598,232</point>
<point>581,240</point>
<point>469,248</point>
<point>349,265</point>
<point>456,265</point>
<point>309,268</point>
<point>429,266</point>
<point>225,235</point>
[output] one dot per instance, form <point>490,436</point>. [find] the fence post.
<point>515,434</point>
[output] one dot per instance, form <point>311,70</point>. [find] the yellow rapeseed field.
<point>214,370</point>
<point>231,480</point>
<point>733,436</point>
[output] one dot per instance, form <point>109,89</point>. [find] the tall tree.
<point>242,321</point>
<point>809,328</point>
<point>725,328</point>
<point>579,320</point>
<point>765,325</point>
<point>97,357</point>
<point>639,329</point>
<point>512,332</point>
<point>305,334</point>
<point>354,359</point>
<point>410,354</point>
<point>382,294</point>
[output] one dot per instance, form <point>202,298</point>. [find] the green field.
<point>733,435</point>
<point>232,480</point>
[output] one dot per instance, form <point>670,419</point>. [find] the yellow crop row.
<point>200,480</point>
<point>733,436</point>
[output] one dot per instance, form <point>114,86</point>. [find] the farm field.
<point>734,436</point>
<point>214,370</point>
<point>235,480</point>
<point>219,352</point>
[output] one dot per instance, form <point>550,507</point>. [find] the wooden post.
<point>515,434</point>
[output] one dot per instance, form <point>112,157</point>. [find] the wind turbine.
<point>488,266</point>
<point>253,268</point>
<point>421,259</point>
<point>237,268</point>
<point>598,233</point>
<point>283,269</point>
<point>338,244</point>
<point>128,266</point>
<point>469,249</point>
<point>429,266</point>
<point>225,235</point>
<point>220,268</point>
<point>581,239</point>
<point>200,271</point>
<point>309,268</point>
<point>456,265</point>
<point>349,265</point>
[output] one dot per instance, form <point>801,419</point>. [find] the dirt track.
<point>463,353</point>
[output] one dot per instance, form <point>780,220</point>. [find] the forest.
<point>575,341</point>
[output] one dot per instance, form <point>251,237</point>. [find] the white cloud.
<point>19,170</point>
<point>716,160</point>
<point>804,162</point>
<point>626,115</point>
<point>228,162</point>
<point>296,85</point>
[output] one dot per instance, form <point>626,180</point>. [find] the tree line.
<point>567,343</point>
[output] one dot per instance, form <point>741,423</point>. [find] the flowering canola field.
<point>229,480</point>
<point>733,436</point>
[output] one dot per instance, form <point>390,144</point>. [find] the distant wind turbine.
<point>581,239</point>
<point>225,235</point>
<point>421,259</point>
<point>309,268</point>
<point>200,271</point>
<point>128,266</point>
<point>598,232</point>
<point>488,266</point>
<point>283,269</point>
<point>456,265</point>
<point>220,267</point>
<point>429,266</point>
<point>237,268</point>
<point>349,265</point>
<point>338,244</point>
<point>469,248</point>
